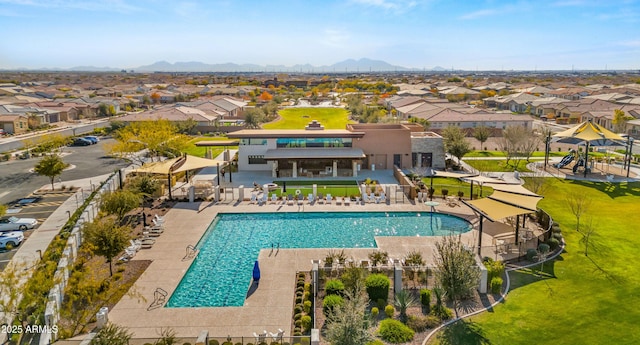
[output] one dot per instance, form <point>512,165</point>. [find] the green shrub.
<point>425,298</point>
<point>334,287</point>
<point>301,275</point>
<point>494,269</point>
<point>297,309</point>
<point>374,312</point>
<point>214,342</point>
<point>378,286</point>
<point>307,307</point>
<point>381,303</point>
<point>297,316</point>
<point>556,228</point>
<point>375,342</point>
<point>395,332</point>
<point>307,286</point>
<point>298,323</point>
<point>496,284</point>
<point>531,254</point>
<point>306,296</point>
<point>306,323</point>
<point>442,312</point>
<point>553,243</point>
<point>299,300</point>
<point>422,323</point>
<point>331,302</point>
<point>557,236</point>
<point>389,310</point>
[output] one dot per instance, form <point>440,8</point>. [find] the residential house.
<point>14,124</point>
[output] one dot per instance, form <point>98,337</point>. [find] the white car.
<point>15,223</point>
<point>10,240</point>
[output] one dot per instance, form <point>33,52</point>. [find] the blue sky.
<point>472,35</point>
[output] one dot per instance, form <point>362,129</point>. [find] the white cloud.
<point>394,5</point>
<point>479,14</point>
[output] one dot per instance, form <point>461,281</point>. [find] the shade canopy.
<point>512,188</point>
<point>179,164</point>
<point>509,202</point>
<point>588,131</point>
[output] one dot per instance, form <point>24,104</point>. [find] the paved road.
<point>17,181</point>
<point>9,144</point>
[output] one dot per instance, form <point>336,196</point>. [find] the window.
<point>259,159</point>
<point>253,141</point>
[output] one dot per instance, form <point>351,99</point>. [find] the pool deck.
<point>270,306</point>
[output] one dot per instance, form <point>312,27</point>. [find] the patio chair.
<point>420,197</point>
<point>300,199</point>
<point>274,198</point>
<point>254,199</point>
<point>278,335</point>
<point>347,200</point>
<point>134,246</point>
<point>260,338</point>
<point>263,199</point>
<point>289,199</point>
<point>145,243</point>
<point>320,198</point>
<point>382,198</point>
<point>158,218</point>
<point>310,198</point>
<point>338,200</point>
<point>329,198</point>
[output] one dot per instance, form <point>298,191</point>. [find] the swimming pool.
<point>221,273</point>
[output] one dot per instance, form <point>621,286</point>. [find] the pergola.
<point>184,163</point>
<point>505,201</point>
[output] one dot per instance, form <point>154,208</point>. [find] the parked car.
<point>91,138</point>
<point>14,223</point>
<point>81,142</point>
<point>10,240</point>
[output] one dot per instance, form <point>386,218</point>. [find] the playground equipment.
<point>565,160</point>
<point>581,163</point>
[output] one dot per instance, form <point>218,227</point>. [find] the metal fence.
<point>225,340</point>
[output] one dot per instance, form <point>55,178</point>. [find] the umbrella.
<point>256,272</point>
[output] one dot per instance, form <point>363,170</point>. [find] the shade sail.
<point>512,188</point>
<point>451,174</point>
<point>494,209</point>
<point>157,167</point>
<point>193,162</point>
<point>528,202</point>
<point>484,179</point>
<point>588,131</point>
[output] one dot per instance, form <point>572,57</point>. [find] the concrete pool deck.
<point>270,306</point>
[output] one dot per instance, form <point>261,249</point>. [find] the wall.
<point>382,141</point>
<point>429,142</point>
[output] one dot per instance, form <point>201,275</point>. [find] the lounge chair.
<point>154,232</point>
<point>274,198</point>
<point>420,197</point>
<point>382,198</point>
<point>254,199</point>
<point>278,335</point>
<point>145,243</point>
<point>320,198</point>
<point>300,199</point>
<point>260,338</point>
<point>158,218</point>
<point>157,223</point>
<point>329,198</point>
<point>338,200</point>
<point>370,198</point>
<point>134,246</point>
<point>263,199</point>
<point>310,198</point>
<point>347,200</point>
<point>289,199</point>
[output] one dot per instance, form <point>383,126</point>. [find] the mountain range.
<point>347,66</point>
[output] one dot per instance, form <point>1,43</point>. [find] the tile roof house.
<point>14,124</point>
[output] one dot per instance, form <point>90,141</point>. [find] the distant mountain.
<point>347,66</point>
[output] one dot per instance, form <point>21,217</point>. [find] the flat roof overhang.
<point>315,153</point>
<point>295,133</point>
<point>218,143</point>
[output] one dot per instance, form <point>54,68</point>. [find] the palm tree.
<point>404,300</point>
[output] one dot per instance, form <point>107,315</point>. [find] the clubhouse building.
<point>316,152</point>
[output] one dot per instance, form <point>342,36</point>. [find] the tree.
<point>518,142</point>
<point>253,117</point>
<point>112,334</point>
<point>455,142</point>
<point>119,202</point>
<point>158,137</point>
<point>403,301</point>
<point>482,134</point>
<point>106,238</point>
<point>588,231</point>
<point>50,166</point>
<point>456,270</point>
<point>578,203</point>
<point>144,185</point>
<point>348,324</point>
<point>265,96</point>
<point>3,210</point>
<point>620,120</point>
<point>11,284</point>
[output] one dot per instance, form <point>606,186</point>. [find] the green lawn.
<point>200,151</point>
<point>579,299</point>
<point>298,118</point>
<point>501,154</point>
<point>335,188</point>
<point>497,165</point>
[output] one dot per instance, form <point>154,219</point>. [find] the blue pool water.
<point>221,273</point>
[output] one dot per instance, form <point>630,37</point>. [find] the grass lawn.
<point>298,118</point>
<point>200,151</point>
<point>501,154</point>
<point>497,165</point>
<point>578,299</point>
<point>454,185</point>
<point>339,188</point>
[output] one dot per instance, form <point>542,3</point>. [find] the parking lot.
<point>40,208</point>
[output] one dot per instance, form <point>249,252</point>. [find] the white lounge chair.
<point>311,199</point>
<point>145,243</point>
<point>338,200</point>
<point>134,246</point>
<point>274,198</point>
<point>278,335</point>
<point>347,200</point>
<point>289,199</point>
<point>254,199</point>
<point>300,199</point>
<point>157,223</point>
<point>420,197</point>
<point>263,199</point>
<point>158,218</point>
<point>320,198</point>
<point>260,338</point>
<point>329,198</point>
<point>381,198</point>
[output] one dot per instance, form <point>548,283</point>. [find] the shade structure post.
<point>630,155</point>
<point>547,148</point>
<point>480,236</point>
<point>517,227</point>
<point>471,192</point>
<point>586,159</point>
<point>169,184</point>
<point>218,175</point>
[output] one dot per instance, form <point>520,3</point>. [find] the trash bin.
<point>101,319</point>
